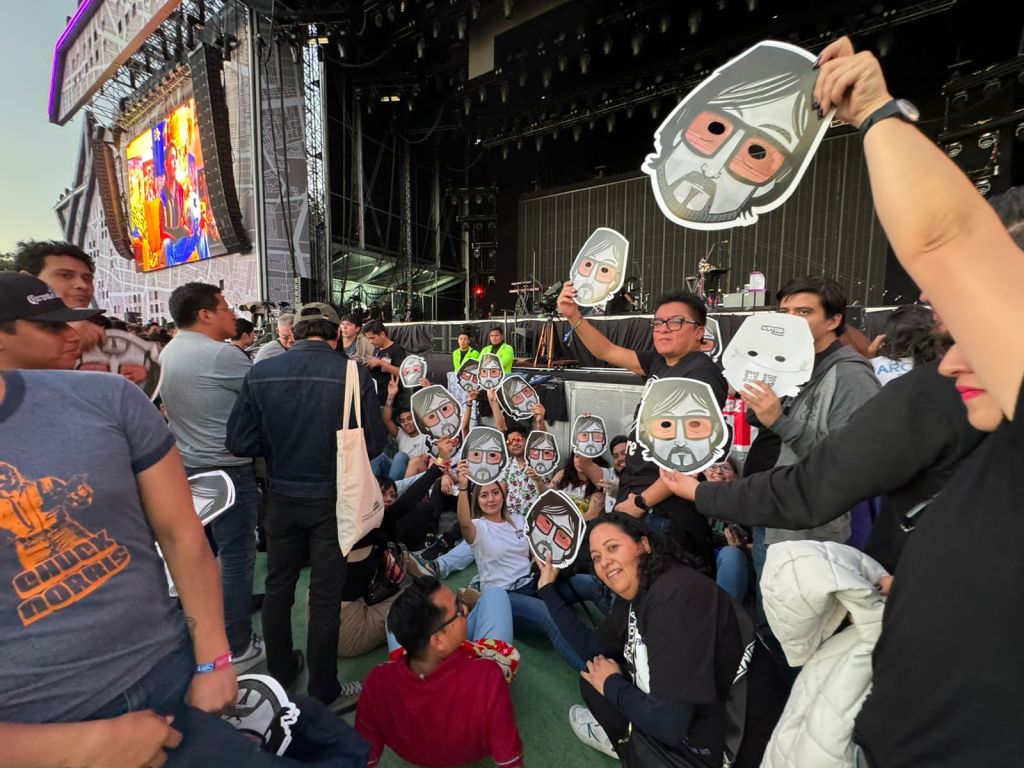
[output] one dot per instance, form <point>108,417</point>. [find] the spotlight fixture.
<point>519,144</point>
<point>610,120</point>
<point>522,79</point>
<point>467,104</point>
<point>984,186</point>
<point>503,92</point>
<point>636,43</point>
<point>664,24</point>
<point>538,141</point>
<point>506,8</point>
<point>991,88</point>
<point>545,78</point>
<point>555,133</point>
<point>954,149</point>
<point>988,140</point>
<point>421,47</point>
<point>435,29</point>
<point>1019,132</point>
<point>960,99</point>
<point>577,131</point>
<point>694,21</point>
<point>606,46</point>
<point>391,12</point>
<point>751,5</point>
<point>474,10</point>
<point>563,62</point>
<point>584,62</point>
<point>460,27</point>
<point>504,151</point>
<point>655,109</point>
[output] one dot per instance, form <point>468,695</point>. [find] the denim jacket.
<point>289,410</point>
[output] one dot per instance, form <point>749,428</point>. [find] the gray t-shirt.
<point>202,378</point>
<point>84,610</point>
<point>269,350</point>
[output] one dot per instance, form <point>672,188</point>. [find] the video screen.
<point>169,212</point>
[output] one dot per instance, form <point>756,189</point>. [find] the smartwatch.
<point>900,108</point>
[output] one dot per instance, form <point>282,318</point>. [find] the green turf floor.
<point>544,689</point>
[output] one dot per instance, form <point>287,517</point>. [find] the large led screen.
<point>168,205</point>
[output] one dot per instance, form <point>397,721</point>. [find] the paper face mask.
<point>263,711</point>
<point>555,527</point>
<point>737,145</point>
<point>542,453</point>
<point>588,436</point>
<point>600,267</point>
<point>680,426</point>
<point>486,455</point>
<point>413,369</point>
<point>213,493</point>
<point>468,376</point>
<point>517,398</point>
<point>125,353</point>
<point>774,348</point>
<point>490,371</point>
<point>436,413</point>
<point>712,346</point>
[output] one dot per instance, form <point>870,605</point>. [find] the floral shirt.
<point>521,489</point>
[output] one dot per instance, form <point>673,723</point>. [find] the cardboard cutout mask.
<point>138,360</point>
<point>555,527</point>
<point>589,437</point>
<point>436,413</point>
<point>213,493</point>
<point>490,371</point>
<point>712,346</point>
<point>486,454</point>
<point>468,376</point>
<point>263,712</point>
<point>680,426</point>
<point>739,143</point>
<point>542,452</point>
<point>771,347</point>
<point>413,369</point>
<point>517,398</point>
<point>600,267</point>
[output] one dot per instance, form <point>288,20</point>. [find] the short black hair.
<point>515,428</point>
<point>1009,206</point>
<point>387,484</point>
<point>186,301</point>
<point>31,255</point>
<point>375,326</point>
<point>691,300</point>
<point>413,617</point>
<point>320,328</point>
<point>829,293</point>
<point>617,440</point>
<point>354,319</point>
<point>242,327</point>
<point>498,329</point>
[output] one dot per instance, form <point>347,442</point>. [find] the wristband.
<point>219,663</point>
<point>577,323</point>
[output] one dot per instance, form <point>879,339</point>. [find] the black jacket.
<point>903,445</point>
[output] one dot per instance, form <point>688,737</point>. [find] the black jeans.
<point>295,529</point>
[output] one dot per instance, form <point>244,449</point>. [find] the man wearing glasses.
<point>442,700</point>
<point>678,331</point>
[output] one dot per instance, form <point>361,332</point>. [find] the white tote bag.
<point>359,507</point>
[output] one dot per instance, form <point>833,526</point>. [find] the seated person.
<point>731,541</point>
<point>663,661</point>
<point>441,703</point>
<point>411,458</point>
<point>574,480</point>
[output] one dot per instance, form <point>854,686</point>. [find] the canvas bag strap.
<point>353,397</point>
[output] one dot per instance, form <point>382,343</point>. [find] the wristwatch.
<point>900,108</point>
<point>638,499</point>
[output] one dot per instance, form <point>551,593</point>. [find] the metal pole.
<point>328,259</point>
<point>357,171</point>
<point>407,221</point>
<point>259,240</point>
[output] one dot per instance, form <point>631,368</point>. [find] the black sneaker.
<point>437,548</point>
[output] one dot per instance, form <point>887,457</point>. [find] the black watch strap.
<point>900,108</point>
<point>641,502</point>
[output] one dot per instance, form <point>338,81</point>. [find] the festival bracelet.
<point>219,663</point>
<point>577,323</point>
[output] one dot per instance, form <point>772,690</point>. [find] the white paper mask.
<point>589,437</point>
<point>213,493</point>
<point>680,426</point>
<point>486,455</point>
<point>739,143</point>
<point>517,398</point>
<point>468,375</point>
<point>600,267</point>
<point>437,414</point>
<point>542,452</point>
<point>771,347</point>
<point>413,369</point>
<point>555,527</point>
<point>490,371</point>
<point>712,346</point>
<point>263,711</point>
<point>138,360</point>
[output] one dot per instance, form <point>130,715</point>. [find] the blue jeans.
<point>392,467</point>
<point>235,534</point>
<point>658,524</point>
<point>458,558</point>
<point>530,614</point>
<point>732,573</point>
<point>319,739</point>
<point>491,618</point>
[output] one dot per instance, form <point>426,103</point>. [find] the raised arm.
<point>598,344</point>
<point>389,405</point>
<point>465,516</point>
<point>499,417</point>
<point>943,232</point>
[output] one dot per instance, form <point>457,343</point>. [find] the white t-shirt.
<point>501,552</point>
<point>411,446</point>
<point>887,369</point>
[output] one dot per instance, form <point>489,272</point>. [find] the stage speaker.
<point>110,194</point>
<point>207,64</point>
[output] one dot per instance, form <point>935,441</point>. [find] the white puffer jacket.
<point>809,587</point>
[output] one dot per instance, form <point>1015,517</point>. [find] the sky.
<point>37,159</point>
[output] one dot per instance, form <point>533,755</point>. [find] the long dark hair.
<point>570,477</point>
<point>909,333</point>
<point>664,554</point>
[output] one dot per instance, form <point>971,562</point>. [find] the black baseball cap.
<point>24,297</point>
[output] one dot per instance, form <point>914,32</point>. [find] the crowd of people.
<point>836,598</point>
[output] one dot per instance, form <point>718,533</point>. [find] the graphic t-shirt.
<point>84,609</point>
<point>394,355</point>
<point>948,669</point>
<point>886,368</point>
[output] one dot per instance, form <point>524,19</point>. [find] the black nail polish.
<point>817,63</point>
<point>821,113</point>
<point>816,104</point>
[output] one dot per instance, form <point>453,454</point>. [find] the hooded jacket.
<point>809,588</point>
<point>842,381</point>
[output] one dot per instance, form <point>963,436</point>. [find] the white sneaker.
<point>251,656</point>
<point>589,731</point>
<point>348,697</point>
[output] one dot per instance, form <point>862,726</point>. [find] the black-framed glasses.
<point>672,323</point>
<point>460,613</point>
